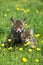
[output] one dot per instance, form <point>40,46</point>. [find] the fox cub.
<point>15,34</point>
<point>28,36</point>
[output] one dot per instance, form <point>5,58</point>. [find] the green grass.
<point>34,19</point>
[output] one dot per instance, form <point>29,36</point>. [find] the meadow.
<point>19,9</point>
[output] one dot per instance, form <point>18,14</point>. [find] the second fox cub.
<point>15,34</point>
<point>28,36</point>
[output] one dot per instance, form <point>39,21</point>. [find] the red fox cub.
<point>28,36</point>
<point>15,34</point>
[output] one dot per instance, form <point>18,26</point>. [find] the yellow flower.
<point>37,60</point>
<point>37,11</point>
<point>25,24</point>
<point>28,10</point>
<point>10,48</point>
<point>30,50</point>
<point>17,8</point>
<point>25,11</point>
<point>25,44</point>
<point>37,35</point>
<point>8,10</point>
<point>28,43</point>
<point>27,27</point>
<point>38,49</point>
<point>9,40</point>
<point>33,47</point>
<point>24,59</point>
<point>5,15</point>
<point>20,49</point>
<point>3,45</point>
<point>42,41</point>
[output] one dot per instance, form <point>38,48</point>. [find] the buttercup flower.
<point>20,49</point>
<point>37,60</point>
<point>5,15</point>
<point>9,40</point>
<point>37,35</point>
<point>24,60</point>
<point>28,43</point>
<point>28,10</point>
<point>17,8</point>
<point>3,45</point>
<point>25,24</point>
<point>37,11</point>
<point>10,48</point>
<point>25,11</point>
<point>38,49</point>
<point>42,41</point>
<point>33,47</point>
<point>25,44</point>
<point>30,50</point>
<point>8,10</point>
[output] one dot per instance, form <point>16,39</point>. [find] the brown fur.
<point>28,36</point>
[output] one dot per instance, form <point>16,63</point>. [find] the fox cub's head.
<point>18,25</point>
<point>27,35</point>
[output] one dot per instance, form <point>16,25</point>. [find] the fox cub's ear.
<point>23,20</point>
<point>12,20</point>
<point>31,31</point>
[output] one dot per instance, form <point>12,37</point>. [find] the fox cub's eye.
<point>15,27</point>
<point>20,27</point>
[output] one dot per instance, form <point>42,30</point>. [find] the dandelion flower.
<point>37,11</point>
<point>30,50</point>
<point>38,49</point>
<point>42,41</point>
<point>5,15</point>
<point>25,11</point>
<point>28,43</point>
<point>24,60</point>
<point>20,49</point>
<point>9,40</point>
<point>25,44</point>
<point>33,47</point>
<point>18,9</point>
<point>37,35</point>
<point>3,45</point>
<point>27,27</point>
<point>37,60</point>
<point>25,24</point>
<point>8,10</point>
<point>28,10</point>
<point>10,48</point>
